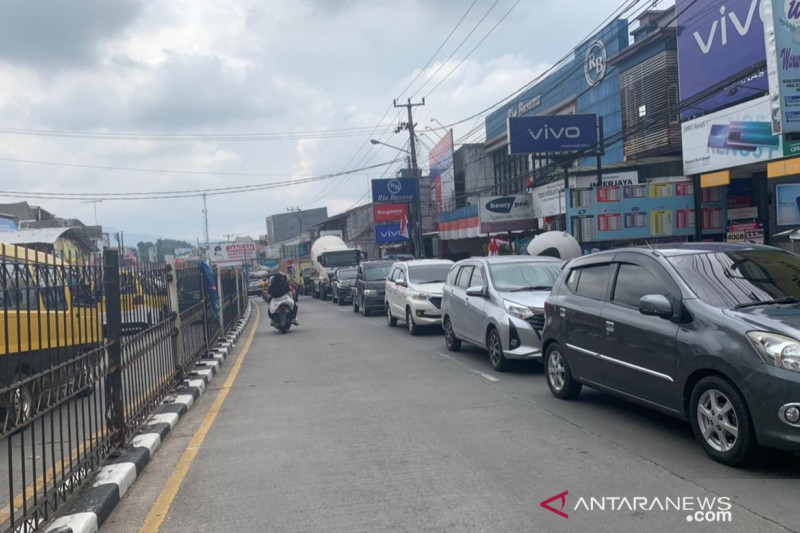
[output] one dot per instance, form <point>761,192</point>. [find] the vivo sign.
<point>549,134</point>
<point>716,40</point>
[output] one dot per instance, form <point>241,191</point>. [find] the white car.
<point>414,292</point>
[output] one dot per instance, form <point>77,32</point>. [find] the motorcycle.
<point>281,309</point>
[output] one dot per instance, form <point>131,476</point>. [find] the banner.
<point>182,253</point>
<point>549,199</point>
<point>331,233</point>
<point>737,136</point>
<point>389,212</point>
<point>552,134</point>
<point>389,233</point>
<point>782,39</point>
<point>718,39</point>
<point>506,213</point>
<point>443,184</point>
<point>394,190</point>
<point>229,253</point>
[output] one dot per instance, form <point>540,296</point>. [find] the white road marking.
<point>440,354</point>
<point>486,376</point>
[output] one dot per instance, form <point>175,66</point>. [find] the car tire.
<point>494,344</point>
<point>721,421</point>
<point>22,403</point>
<point>559,375</point>
<point>340,300</point>
<point>390,320</point>
<point>453,343</point>
<point>413,328</point>
<point>355,304</point>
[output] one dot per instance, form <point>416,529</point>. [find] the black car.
<point>342,283</point>
<point>370,288</point>
<point>706,332</point>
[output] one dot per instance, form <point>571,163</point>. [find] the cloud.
<point>61,35</point>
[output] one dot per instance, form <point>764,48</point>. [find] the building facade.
<point>284,227</point>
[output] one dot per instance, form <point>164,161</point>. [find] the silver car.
<point>497,303</point>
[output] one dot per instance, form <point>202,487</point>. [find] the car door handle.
<point>609,326</point>
<point>562,312</point>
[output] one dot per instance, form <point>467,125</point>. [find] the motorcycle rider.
<point>277,287</point>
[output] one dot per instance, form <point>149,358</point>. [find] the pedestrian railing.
<point>88,349</point>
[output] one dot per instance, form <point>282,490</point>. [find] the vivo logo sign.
<point>739,23</point>
<point>552,134</point>
<point>571,132</point>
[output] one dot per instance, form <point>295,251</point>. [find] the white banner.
<point>736,136</point>
<point>231,253</point>
<point>506,213</point>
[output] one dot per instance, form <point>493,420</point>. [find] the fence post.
<point>239,281</point>
<point>174,304</point>
<point>204,294</point>
<point>115,414</point>
<point>221,292</point>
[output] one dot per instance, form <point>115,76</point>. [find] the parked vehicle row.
<point>709,333</point>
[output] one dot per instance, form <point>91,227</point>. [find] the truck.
<point>327,254</point>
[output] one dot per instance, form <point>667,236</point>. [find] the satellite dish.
<point>558,244</point>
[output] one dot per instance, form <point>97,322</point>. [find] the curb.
<point>93,503</point>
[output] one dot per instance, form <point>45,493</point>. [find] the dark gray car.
<point>706,332</point>
<point>369,291</point>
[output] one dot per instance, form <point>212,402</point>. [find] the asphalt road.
<point>345,424</point>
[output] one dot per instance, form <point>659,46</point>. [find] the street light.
<point>376,141</point>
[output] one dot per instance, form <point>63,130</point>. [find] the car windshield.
<point>536,275</point>
<point>349,273</point>
<point>377,273</point>
<point>422,274</point>
<point>733,279</point>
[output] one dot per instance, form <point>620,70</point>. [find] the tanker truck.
<point>327,254</point>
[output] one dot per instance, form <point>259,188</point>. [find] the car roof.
<point>432,262</point>
<point>500,259</point>
<point>676,249</point>
<point>378,262</point>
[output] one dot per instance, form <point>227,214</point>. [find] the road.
<point>346,424</point>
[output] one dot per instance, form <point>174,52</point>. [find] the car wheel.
<point>21,402</point>
<point>495,346</point>
<point>355,304</point>
<point>453,343</point>
<point>722,422</point>
<point>392,321</point>
<point>559,376</point>
<point>340,299</point>
<point>413,328</point>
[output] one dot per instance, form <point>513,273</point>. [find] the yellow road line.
<point>159,511</point>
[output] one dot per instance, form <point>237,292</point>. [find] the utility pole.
<point>414,169</point>
<point>205,218</point>
<point>228,236</point>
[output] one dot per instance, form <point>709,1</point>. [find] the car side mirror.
<point>477,290</point>
<point>655,305</point>
<point>400,283</point>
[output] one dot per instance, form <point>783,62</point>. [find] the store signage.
<point>331,233</point>
<point>781,20</point>
<point>506,213</point>
<point>389,212</point>
<point>780,169</point>
<point>715,179</point>
<point>594,66</point>
<point>388,233</point>
<point>549,199</point>
<point>716,40</point>
<point>743,213</point>
<point>523,107</point>
<point>733,137</point>
<point>552,133</point>
<point>394,190</point>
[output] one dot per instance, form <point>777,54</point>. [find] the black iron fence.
<point>87,352</point>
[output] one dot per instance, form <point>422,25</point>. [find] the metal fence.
<point>87,352</point>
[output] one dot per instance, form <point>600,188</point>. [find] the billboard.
<point>782,40</point>
<point>229,253</point>
<point>389,233</point>
<point>551,134</point>
<point>717,40</point>
<point>733,137</point>
<point>182,253</point>
<point>443,181</point>
<point>389,212</point>
<point>506,213</point>
<point>549,199</point>
<point>394,190</point>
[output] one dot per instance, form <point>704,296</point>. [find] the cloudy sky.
<point>206,68</point>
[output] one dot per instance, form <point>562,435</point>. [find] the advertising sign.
<point>549,200</point>
<point>788,198</point>
<point>389,233</point>
<point>394,190</point>
<point>718,39</point>
<point>389,212</point>
<point>230,253</point>
<point>506,213</point>
<point>182,253</point>
<point>443,182</point>
<point>551,133</point>
<point>736,136</point>
<point>782,39</point>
